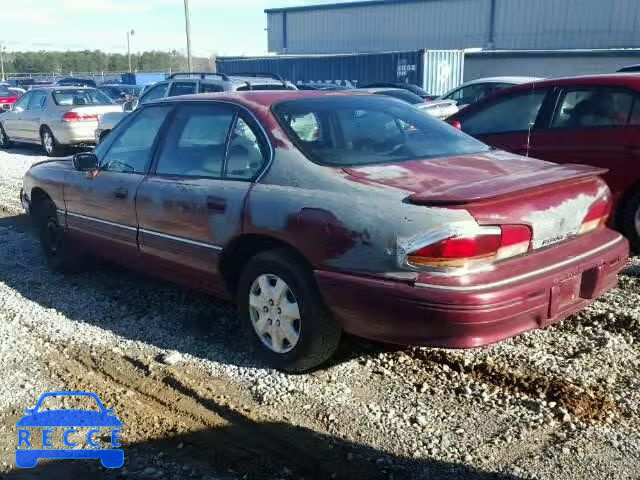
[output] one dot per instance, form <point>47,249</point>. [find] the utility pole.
<point>2,50</point>
<point>188,29</point>
<point>130,32</point>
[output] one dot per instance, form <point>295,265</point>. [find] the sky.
<point>222,27</point>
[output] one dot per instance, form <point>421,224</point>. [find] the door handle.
<point>217,204</point>
<point>121,193</point>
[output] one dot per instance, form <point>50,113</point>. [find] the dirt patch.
<point>592,402</point>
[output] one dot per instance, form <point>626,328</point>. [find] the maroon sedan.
<point>321,213</point>
<point>591,120</point>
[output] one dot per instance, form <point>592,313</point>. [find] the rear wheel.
<point>4,138</point>
<point>283,314</point>
<point>631,221</point>
<point>49,142</point>
<point>56,245</point>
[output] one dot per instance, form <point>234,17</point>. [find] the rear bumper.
<point>470,314</point>
<point>74,133</point>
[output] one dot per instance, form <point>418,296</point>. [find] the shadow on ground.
<point>247,449</point>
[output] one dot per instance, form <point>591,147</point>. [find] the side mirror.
<point>127,106</point>
<point>85,161</point>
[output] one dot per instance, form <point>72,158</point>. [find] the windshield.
<point>359,130</point>
<point>80,96</point>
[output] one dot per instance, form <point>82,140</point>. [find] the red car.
<point>591,120</point>
<point>321,213</point>
<point>7,98</point>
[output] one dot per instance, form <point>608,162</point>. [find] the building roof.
<point>333,6</point>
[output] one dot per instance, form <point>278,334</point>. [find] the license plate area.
<point>564,295</point>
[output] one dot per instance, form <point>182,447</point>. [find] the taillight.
<point>597,215</point>
<point>455,124</point>
<point>79,117</point>
<point>482,245</point>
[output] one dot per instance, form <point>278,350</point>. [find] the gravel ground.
<point>554,403</point>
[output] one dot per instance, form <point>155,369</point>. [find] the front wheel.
<point>56,245</point>
<point>284,315</point>
<point>49,143</point>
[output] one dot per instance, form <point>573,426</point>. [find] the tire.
<point>103,135</point>
<point>49,143</point>
<point>318,332</point>
<point>4,139</point>
<point>56,245</point>
<point>631,221</point>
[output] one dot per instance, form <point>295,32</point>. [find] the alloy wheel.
<point>274,312</point>
<point>47,141</point>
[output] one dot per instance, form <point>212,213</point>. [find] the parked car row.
<point>321,213</point>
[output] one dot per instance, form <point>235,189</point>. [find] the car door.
<point>33,113</point>
<point>191,205</point>
<point>100,205</point>
<point>593,125</point>
<point>12,119</point>
<point>507,121</point>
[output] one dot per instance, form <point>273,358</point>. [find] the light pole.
<point>187,25</point>
<point>2,50</point>
<point>130,32</point>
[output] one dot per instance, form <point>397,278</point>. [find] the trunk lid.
<point>499,188</point>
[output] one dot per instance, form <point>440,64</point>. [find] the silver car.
<point>55,117</point>
<point>195,82</point>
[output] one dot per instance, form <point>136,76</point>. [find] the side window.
<point>516,113</point>
<point>210,87</point>
<point>23,101</point>
<point>131,151</point>
<point>246,156</point>
<point>591,107</point>
<point>469,94</point>
<point>182,88</point>
<point>635,114</point>
<point>159,91</point>
<point>195,143</point>
<point>37,101</point>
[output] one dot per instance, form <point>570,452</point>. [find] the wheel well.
<point>618,214</point>
<point>237,254</point>
<point>42,127</point>
<point>38,196</point>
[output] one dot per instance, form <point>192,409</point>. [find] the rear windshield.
<point>81,96</point>
<point>5,92</point>
<point>405,95</point>
<point>365,130</point>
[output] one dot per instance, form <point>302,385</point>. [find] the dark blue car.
<point>73,418</point>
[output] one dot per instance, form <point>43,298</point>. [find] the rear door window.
<point>182,88</point>
<point>515,113</point>
<point>206,87</point>
<point>195,143</point>
<point>246,155</point>
<point>37,100</point>
<point>593,107</point>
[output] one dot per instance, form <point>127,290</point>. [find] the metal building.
<point>387,25</point>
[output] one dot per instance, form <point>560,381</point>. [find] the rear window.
<point>5,92</point>
<point>402,95</point>
<point>81,96</point>
<point>354,130</point>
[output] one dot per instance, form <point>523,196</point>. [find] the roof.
<point>333,6</point>
<point>513,80</point>
<point>260,97</point>
<point>605,79</point>
<point>61,87</point>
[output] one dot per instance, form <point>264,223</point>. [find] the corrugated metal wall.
<point>455,24</point>
<point>373,28</point>
<point>436,71</point>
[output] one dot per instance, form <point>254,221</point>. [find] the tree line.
<point>62,63</point>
